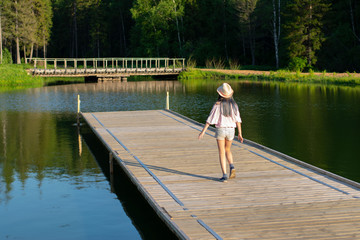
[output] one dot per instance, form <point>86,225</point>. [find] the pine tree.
<point>305,28</point>
<point>43,13</point>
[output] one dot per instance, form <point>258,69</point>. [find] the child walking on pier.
<point>226,117</point>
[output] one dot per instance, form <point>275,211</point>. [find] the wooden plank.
<point>272,196</point>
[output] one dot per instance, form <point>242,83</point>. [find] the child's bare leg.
<point>222,156</point>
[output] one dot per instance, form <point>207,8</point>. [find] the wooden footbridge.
<point>100,69</point>
<point>273,195</point>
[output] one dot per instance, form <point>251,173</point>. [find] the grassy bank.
<point>280,75</point>
<point>12,75</point>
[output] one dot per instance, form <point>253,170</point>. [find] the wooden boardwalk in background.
<point>103,69</point>
<point>272,197</point>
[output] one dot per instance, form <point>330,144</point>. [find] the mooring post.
<point>167,101</point>
<point>111,166</point>
<point>111,163</point>
<point>78,110</point>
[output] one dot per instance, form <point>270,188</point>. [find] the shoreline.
<point>16,76</point>
<point>352,79</point>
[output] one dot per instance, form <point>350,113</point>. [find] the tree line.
<point>313,34</point>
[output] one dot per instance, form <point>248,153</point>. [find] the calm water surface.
<point>54,178</point>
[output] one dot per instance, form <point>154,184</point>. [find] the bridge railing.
<point>98,65</point>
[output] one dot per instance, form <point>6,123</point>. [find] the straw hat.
<point>225,90</point>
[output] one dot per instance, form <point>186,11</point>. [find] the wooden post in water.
<point>111,166</point>
<point>78,110</point>
<point>167,107</point>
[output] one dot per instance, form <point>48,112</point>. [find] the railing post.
<point>173,64</point>
<point>55,63</point>
<point>35,64</point>
<point>45,62</point>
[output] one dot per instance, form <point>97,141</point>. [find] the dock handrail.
<point>109,63</point>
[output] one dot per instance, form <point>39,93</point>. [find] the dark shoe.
<point>232,173</point>
<point>223,179</point>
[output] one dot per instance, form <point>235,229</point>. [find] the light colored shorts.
<point>225,133</point>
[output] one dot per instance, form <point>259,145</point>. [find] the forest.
<point>320,35</point>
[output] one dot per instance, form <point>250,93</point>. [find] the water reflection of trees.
<point>40,145</point>
<point>116,86</point>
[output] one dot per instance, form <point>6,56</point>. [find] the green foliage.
<point>297,64</point>
<point>327,36</point>
<point>153,21</point>
<point>25,24</point>
<point>7,59</point>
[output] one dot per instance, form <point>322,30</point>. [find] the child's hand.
<point>201,135</point>
<point>241,139</point>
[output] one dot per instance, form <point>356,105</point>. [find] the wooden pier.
<point>102,69</point>
<point>272,197</point>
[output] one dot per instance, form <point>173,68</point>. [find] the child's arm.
<point>201,135</point>
<point>238,124</point>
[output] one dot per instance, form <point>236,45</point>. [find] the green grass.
<point>13,75</point>
<point>278,76</point>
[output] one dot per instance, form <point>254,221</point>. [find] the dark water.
<point>54,178</point>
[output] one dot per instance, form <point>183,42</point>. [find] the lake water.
<point>54,177</point>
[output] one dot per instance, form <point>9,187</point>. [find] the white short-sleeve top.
<point>215,117</point>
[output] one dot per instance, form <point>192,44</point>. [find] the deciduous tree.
<point>153,20</point>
